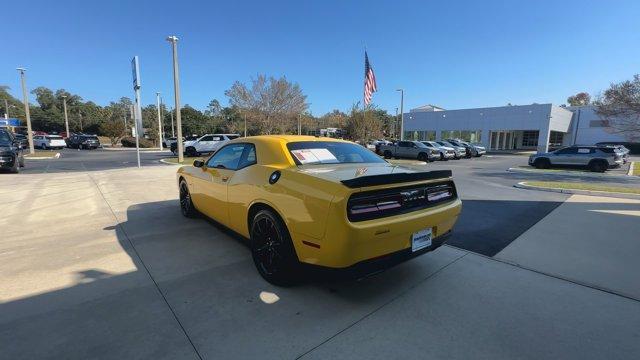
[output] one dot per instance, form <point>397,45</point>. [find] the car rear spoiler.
<point>373,180</point>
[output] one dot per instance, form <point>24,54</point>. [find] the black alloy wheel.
<point>272,250</point>
<point>422,157</point>
<point>186,204</point>
<point>387,154</point>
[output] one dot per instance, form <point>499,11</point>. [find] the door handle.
<point>225,178</point>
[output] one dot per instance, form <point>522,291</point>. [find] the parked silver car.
<point>445,152</point>
<point>410,149</point>
<point>460,151</point>
<point>593,157</point>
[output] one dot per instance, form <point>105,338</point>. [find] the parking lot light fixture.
<point>66,117</point>
<point>176,88</point>
<point>25,99</point>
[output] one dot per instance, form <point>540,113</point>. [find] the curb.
<point>567,173</point>
<point>169,163</point>
<point>134,149</point>
<point>55,157</point>
<point>631,167</point>
<point>522,185</point>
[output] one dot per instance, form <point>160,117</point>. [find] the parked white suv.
<point>49,142</point>
<point>207,144</point>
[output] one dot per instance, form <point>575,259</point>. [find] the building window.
<point>599,123</point>
<point>555,138</point>
<point>530,138</point>
<point>470,136</point>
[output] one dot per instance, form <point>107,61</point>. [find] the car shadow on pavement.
<point>195,277</point>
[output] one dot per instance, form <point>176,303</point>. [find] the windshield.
<point>330,152</point>
<point>5,138</point>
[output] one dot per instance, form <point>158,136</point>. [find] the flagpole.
<point>364,101</point>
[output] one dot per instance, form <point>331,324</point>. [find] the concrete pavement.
<point>589,239</point>
<point>104,266</point>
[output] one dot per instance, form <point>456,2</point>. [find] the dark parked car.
<point>11,156</point>
<point>81,141</point>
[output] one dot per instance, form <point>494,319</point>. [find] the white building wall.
<point>541,117</point>
<point>585,117</point>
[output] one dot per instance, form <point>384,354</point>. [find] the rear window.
<point>231,137</point>
<point>330,152</point>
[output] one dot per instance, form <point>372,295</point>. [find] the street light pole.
<point>159,122</point>
<point>176,88</point>
<point>66,117</point>
<point>6,109</point>
<point>25,99</point>
<point>173,132</point>
<point>395,124</point>
<point>299,124</point>
<point>401,113</point>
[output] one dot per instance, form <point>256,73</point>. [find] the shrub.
<point>130,141</point>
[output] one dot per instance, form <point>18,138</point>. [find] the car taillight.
<point>378,204</point>
<point>374,205</point>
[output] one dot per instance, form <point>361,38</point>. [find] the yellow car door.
<point>220,169</point>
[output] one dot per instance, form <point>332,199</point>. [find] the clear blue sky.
<point>456,54</point>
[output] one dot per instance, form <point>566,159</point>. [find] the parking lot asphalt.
<point>100,264</point>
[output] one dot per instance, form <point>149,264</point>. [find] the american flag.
<point>369,81</point>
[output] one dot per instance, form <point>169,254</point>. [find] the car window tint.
<point>207,138</point>
<point>215,138</point>
<point>248,157</point>
<point>330,152</point>
<point>227,158</point>
<point>231,137</point>
<point>566,151</point>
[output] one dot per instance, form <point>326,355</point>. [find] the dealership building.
<point>519,127</point>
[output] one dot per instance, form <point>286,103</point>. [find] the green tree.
<point>620,107</point>
<point>270,104</point>
<point>579,99</point>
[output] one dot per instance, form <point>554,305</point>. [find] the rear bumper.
<point>346,243</point>
<point>379,264</point>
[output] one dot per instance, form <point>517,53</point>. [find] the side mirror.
<point>198,163</point>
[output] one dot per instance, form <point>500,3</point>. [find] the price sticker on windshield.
<point>306,156</point>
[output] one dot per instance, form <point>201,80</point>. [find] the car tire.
<point>272,250</point>
<point>16,167</point>
<point>598,166</point>
<point>186,203</point>
<point>423,157</point>
<point>542,163</point>
<point>387,154</point>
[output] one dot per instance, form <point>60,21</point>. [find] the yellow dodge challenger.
<point>304,200</point>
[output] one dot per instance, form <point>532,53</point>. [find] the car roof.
<point>287,138</point>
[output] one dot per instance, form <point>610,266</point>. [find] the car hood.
<point>339,172</point>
